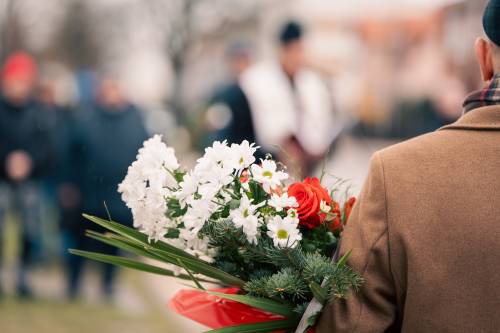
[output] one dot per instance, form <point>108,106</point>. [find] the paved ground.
<point>135,309</point>
<point>351,159</point>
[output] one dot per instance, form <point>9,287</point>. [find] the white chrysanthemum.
<point>149,216</point>
<point>268,175</point>
<point>197,246</point>
<point>215,154</point>
<point>133,187</point>
<point>155,160</point>
<point>218,175</point>
<point>281,202</point>
<point>284,232</point>
<point>145,188</point>
<point>211,168</point>
<point>155,153</point>
<point>251,229</point>
<point>198,214</point>
<point>241,156</point>
<point>324,207</point>
<point>188,187</point>
<point>246,217</point>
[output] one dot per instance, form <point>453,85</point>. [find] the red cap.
<point>20,66</point>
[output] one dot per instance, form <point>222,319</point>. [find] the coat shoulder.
<point>427,147</point>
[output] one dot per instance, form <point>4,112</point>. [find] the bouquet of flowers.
<point>238,223</point>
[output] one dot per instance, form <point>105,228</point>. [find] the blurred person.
<point>413,118</point>
<point>25,156</point>
<point>107,136</point>
<point>61,194</point>
<point>424,234</point>
<point>229,116</point>
<point>291,108</point>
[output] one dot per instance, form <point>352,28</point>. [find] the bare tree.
<point>190,22</point>
<point>76,43</point>
<point>11,33</point>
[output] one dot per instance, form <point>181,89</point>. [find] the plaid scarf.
<point>490,95</point>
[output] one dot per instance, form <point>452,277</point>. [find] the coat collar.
<point>484,118</point>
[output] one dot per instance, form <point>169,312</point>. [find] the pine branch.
<point>342,280</point>
<point>317,267</point>
<point>266,252</point>
<point>287,284</point>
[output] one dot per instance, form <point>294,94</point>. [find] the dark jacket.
<point>105,144</point>
<point>241,126</point>
<point>24,127</point>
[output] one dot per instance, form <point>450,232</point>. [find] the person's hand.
<point>18,165</point>
<point>293,155</point>
<point>69,196</point>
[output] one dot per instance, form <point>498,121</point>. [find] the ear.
<point>484,55</point>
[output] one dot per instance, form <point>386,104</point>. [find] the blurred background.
<point>320,84</point>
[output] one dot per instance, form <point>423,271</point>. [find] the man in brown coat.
<point>425,234</point>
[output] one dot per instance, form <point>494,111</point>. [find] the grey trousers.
<point>21,200</point>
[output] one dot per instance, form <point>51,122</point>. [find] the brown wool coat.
<point>425,235</point>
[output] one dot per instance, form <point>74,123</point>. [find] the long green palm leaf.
<point>265,327</point>
<point>128,263</point>
<point>136,236</point>
<point>200,267</point>
<point>260,303</point>
<point>168,253</point>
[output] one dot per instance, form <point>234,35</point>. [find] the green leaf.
<point>311,321</point>
<point>319,293</point>
<point>169,253</point>
<point>257,192</point>
<point>343,261</point>
<point>195,280</point>
<point>123,244</point>
<point>260,303</point>
<point>179,175</point>
<point>128,263</point>
<point>136,236</point>
<point>173,233</point>
<point>200,267</point>
<point>265,327</point>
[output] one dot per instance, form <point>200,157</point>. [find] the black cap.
<point>291,32</point>
<point>491,21</point>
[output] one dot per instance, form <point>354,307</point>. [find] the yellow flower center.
<point>246,213</point>
<point>282,234</point>
<point>267,174</point>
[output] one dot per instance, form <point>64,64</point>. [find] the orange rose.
<point>309,195</point>
<point>348,208</point>
<point>245,176</point>
<point>336,223</point>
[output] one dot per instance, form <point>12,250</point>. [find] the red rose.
<point>309,195</point>
<point>348,208</point>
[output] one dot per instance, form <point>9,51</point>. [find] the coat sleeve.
<point>373,308</point>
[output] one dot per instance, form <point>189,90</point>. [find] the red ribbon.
<point>216,312</point>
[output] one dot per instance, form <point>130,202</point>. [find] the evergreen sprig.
<point>292,283</point>
<point>340,281</point>
<point>286,285</point>
<point>317,268</point>
<point>266,252</point>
